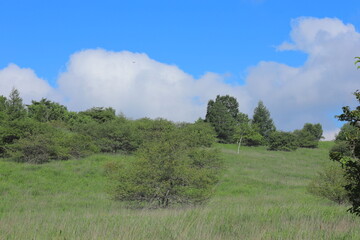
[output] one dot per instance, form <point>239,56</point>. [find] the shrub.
<point>282,141</point>
<point>305,139</point>
<point>254,139</point>
<point>309,136</point>
<point>36,149</point>
<point>339,150</point>
<point>330,184</point>
<point>166,172</point>
<point>199,134</point>
<point>112,136</point>
<point>56,144</point>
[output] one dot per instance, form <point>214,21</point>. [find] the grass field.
<point>261,195</point>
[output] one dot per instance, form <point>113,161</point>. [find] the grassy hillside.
<point>262,195</point>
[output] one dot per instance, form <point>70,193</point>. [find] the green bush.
<point>309,136</point>
<point>54,144</point>
<point>339,150</point>
<point>253,140</point>
<point>119,135</point>
<point>166,172</point>
<point>36,149</point>
<point>306,139</point>
<point>330,184</point>
<point>282,141</point>
<point>198,134</point>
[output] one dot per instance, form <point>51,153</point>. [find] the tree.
<point>223,114</point>
<point>309,135</point>
<point>46,110</point>
<point>262,119</point>
<point>247,134</point>
<point>230,103</point>
<point>14,105</point>
<point>351,164</point>
<point>3,114</point>
<point>347,132</point>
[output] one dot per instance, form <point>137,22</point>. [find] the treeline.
<point>45,131</point>
<point>233,126</point>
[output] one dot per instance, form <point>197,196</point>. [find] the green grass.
<point>261,195</point>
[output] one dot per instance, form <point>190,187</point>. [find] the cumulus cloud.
<point>315,91</point>
<point>137,85</point>
<point>25,80</point>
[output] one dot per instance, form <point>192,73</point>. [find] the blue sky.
<point>227,38</point>
<point>197,36</point>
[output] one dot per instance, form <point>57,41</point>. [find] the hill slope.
<point>262,195</point>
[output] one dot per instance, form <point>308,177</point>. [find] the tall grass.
<point>261,195</point>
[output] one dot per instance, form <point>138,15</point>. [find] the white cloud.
<point>330,134</point>
<point>138,86</point>
<point>317,90</point>
<point>25,80</point>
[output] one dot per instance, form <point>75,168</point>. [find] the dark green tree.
<point>262,120</point>
<point>14,105</point>
<point>223,114</point>
<point>230,103</point>
<point>3,114</point>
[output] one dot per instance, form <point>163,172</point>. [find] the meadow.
<point>261,195</point>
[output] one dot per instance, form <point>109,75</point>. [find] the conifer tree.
<point>262,120</point>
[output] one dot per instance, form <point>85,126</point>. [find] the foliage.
<point>11,131</point>
<point>100,114</point>
<point>46,110</point>
<point>330,183</point>
<point>248,135</point>
<point>309,135</point>
<point>149,130</point>
<point>112,136</point>
<point>282,141</point>
<point>340,150</point>
<point>224,115</point>
<point>3,114</point>
<point>36,149</point>
<point>262,120</point>
<point>351,164</point>
<point>14,106</point>
<point>167,172</point>
<point>348,132</point>
<point>50,144</point>
<point>198,134</point>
